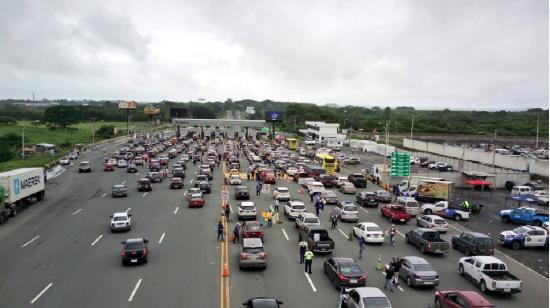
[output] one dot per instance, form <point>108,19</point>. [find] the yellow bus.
<point>326,161</point>
<point>292,143</point>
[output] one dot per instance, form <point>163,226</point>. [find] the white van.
<point>411,205</point>
<point>522,190</point>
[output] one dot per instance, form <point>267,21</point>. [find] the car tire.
<point>409,283</point>
<point>417,222</point>
<point>516,245</point>
<point>461,269</point>
<point>428,212</point>
<point>483,286</point>
<point>453,245</point>
<point>538,223</point>
<point>505,219</point>
<point>457,217</point>
<point>437,303</point>
<point>13,211</point>
<point>422,249</point>
<point>145,260</point>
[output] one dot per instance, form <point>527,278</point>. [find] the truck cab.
<point>524,215</point>
<point>524,237</point>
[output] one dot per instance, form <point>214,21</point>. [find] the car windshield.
<point>350,269</point>
<point>350,208</point>
<point>196,197</point>
<point>521,230</point>
<point>439,221</point>
<point>376,302</point>
<point>384,193</point>
<point>311,220</point>
<point>374,229</point>
<point>485,241</point>
<point>252,227</point>
<point>247,207</point>
<point>423,267</point>
<point>119,218</point>
<point>242,190</point>
<point>252,250</point>
<point>298,207</point>
<point>134,246</point>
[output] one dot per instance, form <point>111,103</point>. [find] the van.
<point>410,204</point>
<point>522,190</point>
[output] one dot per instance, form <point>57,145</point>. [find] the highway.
<point>61,253</point>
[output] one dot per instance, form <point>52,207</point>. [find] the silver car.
<point>366,297</point>
<point>120,190</point>
<point>418,272</point>
<point>433,222</point>
<point>252,254</point>
<point>347,211</point>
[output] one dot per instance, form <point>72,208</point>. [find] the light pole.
<point>386,137</point>
<point>23,143</point>
<point>412,126</point>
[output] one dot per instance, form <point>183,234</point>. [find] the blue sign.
<point>16,186</point>
<point>273,116</point>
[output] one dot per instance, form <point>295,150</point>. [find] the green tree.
<point>62,115</point>
<point>5,153</point>
<point>105,131</point>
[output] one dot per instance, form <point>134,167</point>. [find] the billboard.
<point>250,110</point>
<point>178,112</point>
<point>127,105</point>
<point>438,190</point>
<point>273,116</point>
<point>151,110</point>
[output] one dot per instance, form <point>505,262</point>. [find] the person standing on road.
<point>303,247</point>
<point>362,245</point>
<point>220,230</point>
<point>389,278</point>
<point>269,218</point>
<point>276,205</point>
<point>333,220</point>
<point>236,233</point>
<point>308,256</point>
<point>227,211</point>
<point>258,188</point>
<point>393,232</point>
<point>396,264</point>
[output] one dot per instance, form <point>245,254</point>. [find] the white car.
<point>545,225</point>
<point>247,209</point>
<point>121,163</point>
<point>290,171</point>
<point>121,221</point>
<point>185,157</point>
<point>235,180</point>
<point>542,197</point>
<point>64,161</point>
<point>293,208</point>
<point>73,155</point>
<point>369,231</point>
<point>307,219</point>
<point>347,211</point>
<point>340,180</point>
<point>281,193</point>
<point>433,222</point>
<point>366,297</point>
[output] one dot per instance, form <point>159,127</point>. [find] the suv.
<point>134,251</point>
<point>473,243</point>
<point>144,185</point>
<point>247,209</point>
<point>358,180</point>
<point>367,198</point>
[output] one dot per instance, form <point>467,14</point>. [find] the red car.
<point>460,299</point>
<point>252,229</point>
<point>163,161</point>
<point>395,213</point>
<point>269,178</point>
<point>195,200</point>
<point>327,180</point>
<point>108,167</point>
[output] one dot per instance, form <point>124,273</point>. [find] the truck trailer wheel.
<point>538,223</point>
<point>2,218</point>
<point>13,211</point>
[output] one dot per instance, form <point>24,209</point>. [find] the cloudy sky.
<point>426,54</point>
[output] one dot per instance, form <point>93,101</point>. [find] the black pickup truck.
<point>427,240</point>
<point>317,238</point>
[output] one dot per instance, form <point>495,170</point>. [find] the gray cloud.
<point>464,54</point>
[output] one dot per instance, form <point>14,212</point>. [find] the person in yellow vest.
<point>308,256</point>
<point>466,205</point>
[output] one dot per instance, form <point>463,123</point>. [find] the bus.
<point>292,143</point>
<point>326,161</point>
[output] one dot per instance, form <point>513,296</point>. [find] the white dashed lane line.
<point>343,233</point>
<point>176,210</point>
<point>145,194</point>
<point>96,240</point>
<point>135,290</point>
<point>310,282</point>
<point>185,193</point>
<point>32,240</point>
<point>103,196</point>
<point>162,238</point>
<point>362,209</point>
<point>286,235</point>
<point>41,293</point>
<point>78,211</point>
<point>123,182</point>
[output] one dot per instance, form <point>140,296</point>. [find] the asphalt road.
<point>61,253</point>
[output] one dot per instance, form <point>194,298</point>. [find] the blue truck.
<point>524,237</point>
<point>523,215</point>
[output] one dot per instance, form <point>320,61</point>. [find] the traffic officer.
<point>308,256</point>
<point>303,248</point>
<point>466,205</point>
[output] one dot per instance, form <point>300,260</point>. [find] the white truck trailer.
<point>19,186</point>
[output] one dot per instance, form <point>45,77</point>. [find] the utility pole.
<point>386,147</point>
<point>537,142</point>
<point>494,147</point>
<point>412,126</point>
<point>23,144</point>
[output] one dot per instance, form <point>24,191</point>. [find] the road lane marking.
<point>123,182</point>
<point>128,210</point>
<point>41,292</point>
<point>191,182</point>
<point>399,233</point>
<point>364,210</point>
<point>176,210</point>
<point>32,240</point>
<point>398,286</point>
<point>284,233</point>
<point>145,194</point>
<point>137,173</point>
<point>97,240</point>
<point>310,282</point>
<point>161,238</point>
<point>135,290</point>
<point>78,211</point>
<point>103,196</point>
<point>343,233</point>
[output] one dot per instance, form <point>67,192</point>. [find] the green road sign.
<point>400,164</point>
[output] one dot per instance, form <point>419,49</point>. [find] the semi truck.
<point>18,187</point>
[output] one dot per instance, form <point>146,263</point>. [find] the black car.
<point>344,272</point>
<point>85,166</point>
<point>367,198</point>
<point>177,183</point>
<point>131,168</point>
<point>178,173</point>
<point>241,193</point>
<point>358,180</point>
<point>144,185</point>
<point>204,187</point>
<point>154,176</point>
<point>473,244</point>
<point>134,251</point>
<point>263,302</point>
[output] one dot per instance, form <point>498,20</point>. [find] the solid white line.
<point>128,210</point>
<point>137,173</point>
<point>176,210</point>
<point>161,238</point>
<point>343,233</point>
<point>103,196</point>
<point>97,240</point>
<point>519,263</point>
<point>399,233</point>
<point>400,288</point>
<point>284,233</point>
<point>78,211</point>
<point>135,289</point>
<point>185,193</point>
<point>364,210</point>
<point>123,182</point>
<point>145,194</point>
<point>32,240</point>
<point>310,282</point>
<point>42,292</point>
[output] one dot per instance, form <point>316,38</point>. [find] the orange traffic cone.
<point>225,270</point>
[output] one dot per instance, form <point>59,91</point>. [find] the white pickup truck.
<point>442,209</point>
<point>489,273</point>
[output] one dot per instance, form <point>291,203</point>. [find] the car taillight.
<point>123,253</point>
<point>145,251</point>
<point>368,235</point>
<point>363,277</point>
<point>429,245</point>
<point>342,277</point>
<point>263,255</point>
<point>244,256</point>
<point>433,225</point>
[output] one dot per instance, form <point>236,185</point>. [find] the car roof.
<point>344,260</point>
<point>247,203</point>
<point>434,217</point>
<point>134,240</point>
<point>476,298</point>
<point>296,202</point>
<point>120,214</point>
<point>196,195</point>
<point>415,260</point>
<point>307,214</point>
<point>369,292</point>
<point>119,186</point>
<point>282,187</point>
<point>477,234</point>
<point>369,224</point>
